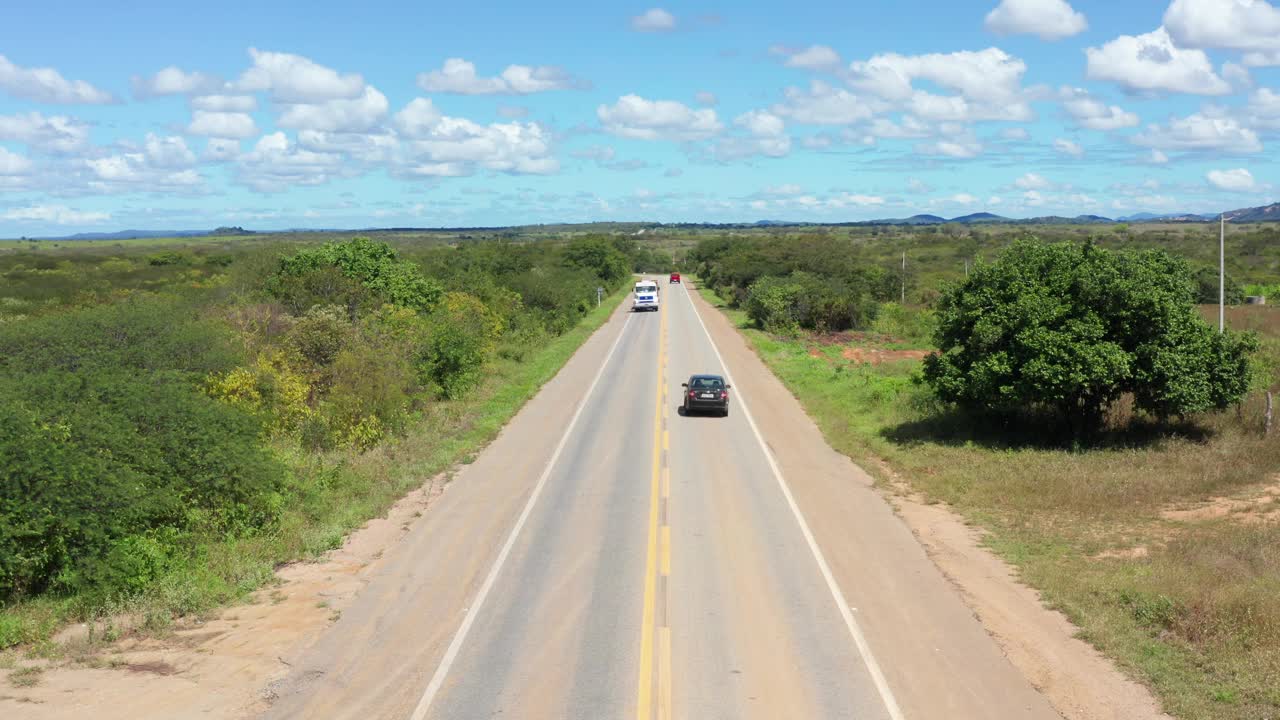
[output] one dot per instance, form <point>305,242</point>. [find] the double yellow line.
<point>654,630</point>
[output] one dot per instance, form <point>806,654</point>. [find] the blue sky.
<point>329,115</point>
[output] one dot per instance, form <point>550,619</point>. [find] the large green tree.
<point>1070,328</point>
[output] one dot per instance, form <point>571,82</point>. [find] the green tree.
<point>351,274</point>
<point>1071,327</point>
<point>1207,288</point>
<point>600,256</point>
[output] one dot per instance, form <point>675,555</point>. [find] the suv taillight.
<point>724,395</point>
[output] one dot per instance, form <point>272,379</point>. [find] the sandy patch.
<point>1259,506</point>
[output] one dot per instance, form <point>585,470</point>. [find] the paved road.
<point>608,557</point>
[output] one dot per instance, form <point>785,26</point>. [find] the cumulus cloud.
<point>916,185</point>
<point>459,76</point>
<point>1157,158</point>
<point>814,57</point>
<point>338,115</point>
<point>437,145</point>
<point>160,164</point>
<point>1067,147</point>
<point>225,103</point>
<point>1152,62</point>
<point>962,148</point>
<point>275,163</point>
<point>47,85</point>
<point>296,79</point>
<point>1246,25</point>
<point>174,81</point>
<point>220,150</point>
<point>1050,19</point>
<point>988,83</point>
<point>766,135</point>
<point>56,214</point>
<point>708,99</point>
<point>12,163</point>
<point>1201,132</point>
<point>635,117</point>
<point>1264,109</point>
<point>1238,180</point>
<point>1094,114</point>
<point>222,125</point>
<point>823,104</point>
<point>59,134</point>
<point>654,20</point>
<point>1032,181</point>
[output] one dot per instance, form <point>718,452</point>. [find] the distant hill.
<point>136,234</point>
<point>1165,217</point>
<point>1266,213</point>
<point>981,217</point>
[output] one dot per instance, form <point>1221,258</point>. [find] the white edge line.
<point>450,655</point>
<point>864,649</point>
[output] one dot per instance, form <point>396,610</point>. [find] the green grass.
<point>332,494</point>
<point>1197,618</point>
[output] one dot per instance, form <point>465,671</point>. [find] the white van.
<point>646,296</point>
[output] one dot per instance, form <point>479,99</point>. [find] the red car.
<point>675,278</point>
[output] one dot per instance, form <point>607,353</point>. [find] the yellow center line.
<point>644,701</point>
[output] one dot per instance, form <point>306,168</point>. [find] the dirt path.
<point>222,668</point>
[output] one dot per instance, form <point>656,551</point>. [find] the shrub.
<point>460,338</point>
<point>90,458</point>
<point>806,300</point>
<point>351,274</point>
<point>1071,328</point>
<point>1207,288</point>
<point>269,388</point>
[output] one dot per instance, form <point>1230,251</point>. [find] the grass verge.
<point>330,495</point>
<point>1162,544</point>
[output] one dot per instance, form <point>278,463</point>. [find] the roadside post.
<point>599,295</point>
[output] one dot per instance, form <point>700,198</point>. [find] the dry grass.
<point>1190,606</point>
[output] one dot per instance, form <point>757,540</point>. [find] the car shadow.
<point>705,414</point>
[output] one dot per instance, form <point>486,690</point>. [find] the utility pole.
<point>1222,274</point>
<point>904,278</point>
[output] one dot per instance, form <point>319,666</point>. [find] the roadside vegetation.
<point>1107,440</point>
<point>174,424</point>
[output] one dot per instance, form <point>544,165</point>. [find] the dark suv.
<point>706,392</point>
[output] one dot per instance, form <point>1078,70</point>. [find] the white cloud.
<point>459,76</point>
<point>854,199</point>
<point>1152,62</point>
<point>225,103</point>
<point>1238,180</point>
<point>47,85</point>
<point>1032,198</point>
<point>1050,19</point>
<point>823,104</point>
<point>635,117</point>
<point>654,20</point>
<point>57,133</point>
<point>174,81</point>
<point>989,83</point>
<point>358,147</point>
<point>768,136</point>
<point>338,115</point>
<point>1157,158</point>
<point>12,163</point>
<point>222,124</point>
<point>418,118</point>
<point>221,150</point>
<point>1224,24</point>
<point>1015,133</point>
<point>708,99</point>
<point>963,199</point>
<point>1032,181</point>
<point>1262,59</point>
<point>1264,109</point>
<point>296,79</point>
<point>168,152</point>
<point>1094,114</point>
<point>962,148</point>
<point>1067,147</point>
<point>815,57</point>
<point>56,214</point>
<point>1200,132</point>
<point>919,186</point>
<point>275,163</point>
